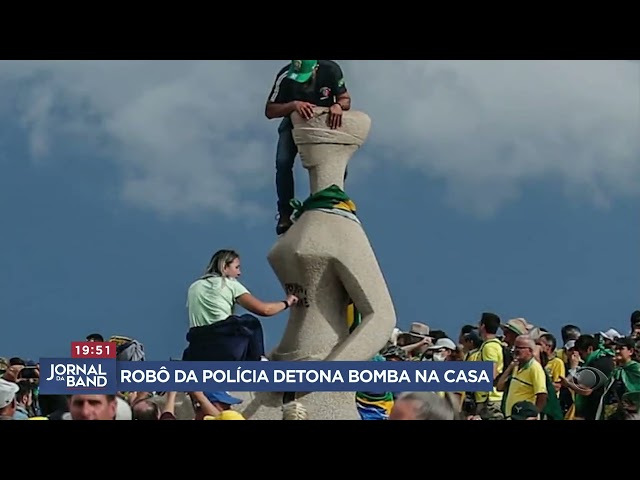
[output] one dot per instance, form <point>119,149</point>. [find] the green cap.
<point>301,70</point>
<point>523,410</point>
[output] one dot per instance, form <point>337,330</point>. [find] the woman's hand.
<point>291,300</point>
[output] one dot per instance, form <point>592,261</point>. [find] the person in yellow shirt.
<point>525,378</point>
<point>554,366</point>
<point>489,403</point>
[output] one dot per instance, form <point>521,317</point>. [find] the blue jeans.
<point>285,158</point>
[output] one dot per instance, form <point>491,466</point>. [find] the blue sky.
<point>503,186</point>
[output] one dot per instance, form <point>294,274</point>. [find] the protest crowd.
<point>586,376</point>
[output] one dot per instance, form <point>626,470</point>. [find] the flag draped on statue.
<point>353,317</point>
<point>370,405</point>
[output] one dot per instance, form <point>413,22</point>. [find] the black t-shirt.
<point>321,91</point>
<point>589,406</point>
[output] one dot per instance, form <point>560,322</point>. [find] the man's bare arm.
<point>541,401</point>
<point>278,110</point>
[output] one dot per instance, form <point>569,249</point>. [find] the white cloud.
<point>191,136</point>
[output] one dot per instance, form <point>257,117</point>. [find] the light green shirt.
<point>212,299</point>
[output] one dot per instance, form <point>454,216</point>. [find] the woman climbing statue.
<point>216,333</point>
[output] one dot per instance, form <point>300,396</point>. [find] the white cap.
<point>444,343</point>
<point>611,334</point>
<point>569,345</point>
<point>8,392</point>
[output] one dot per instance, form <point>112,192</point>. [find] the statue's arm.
<point>365,284</point>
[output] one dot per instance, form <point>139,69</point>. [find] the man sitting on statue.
<point>216,333</point>
<point>299,87</point>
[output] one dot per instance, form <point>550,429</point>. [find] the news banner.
<point>92,368</point>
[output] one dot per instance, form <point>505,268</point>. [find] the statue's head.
<point>319,144</point>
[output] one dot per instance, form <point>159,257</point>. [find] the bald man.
<point>524,379</point>
<point>146,409</point>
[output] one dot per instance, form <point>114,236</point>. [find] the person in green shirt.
<point>625,379</point>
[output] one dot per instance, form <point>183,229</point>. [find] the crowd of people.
<point>589,376</point>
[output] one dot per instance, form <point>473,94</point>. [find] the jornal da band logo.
<point>78,375</point>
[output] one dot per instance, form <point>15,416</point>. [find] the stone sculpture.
<point>326,259</point>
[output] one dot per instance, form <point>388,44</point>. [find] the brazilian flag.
<point>353,317</point>
<point>370,405</point>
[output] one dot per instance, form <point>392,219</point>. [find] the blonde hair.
<point>219,261</point>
